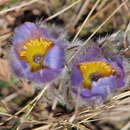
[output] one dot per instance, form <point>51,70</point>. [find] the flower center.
<point>92,71</point>
<point>34,51</point>
<point>38,59</point>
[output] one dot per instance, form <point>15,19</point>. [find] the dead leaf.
<point>5,71</point>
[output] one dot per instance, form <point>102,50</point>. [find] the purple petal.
<point>76,77</point>
<point>91,53</point>
<point>21,69</point>
<point>104,86</point>
<point>55,58</point>
<point>44,75</point>
<point>24,32</point>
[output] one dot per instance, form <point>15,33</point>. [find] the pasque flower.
<point>37,53</point>
<point>96,74</point>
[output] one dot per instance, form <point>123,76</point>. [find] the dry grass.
<point>22,104</point>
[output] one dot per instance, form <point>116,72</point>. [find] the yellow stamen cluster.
<point>34,48</point>
<point>90,68</point>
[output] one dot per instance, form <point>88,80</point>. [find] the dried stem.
<point>32,103</point>
<point>18,7</point>
<point>83,24</point>
<point>86,3</point>
<point>62,11</point>
<point>125,36</point>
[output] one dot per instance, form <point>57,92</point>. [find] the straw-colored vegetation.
<point>23,104</point>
